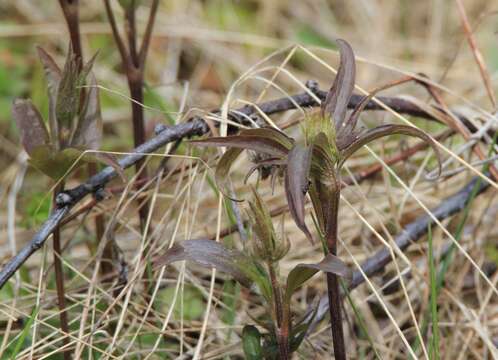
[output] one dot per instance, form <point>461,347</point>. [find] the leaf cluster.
<point>74,119</point>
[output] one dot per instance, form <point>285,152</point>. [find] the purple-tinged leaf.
<point>52,71</point>
<point>87,68</point>
<point>68,97</point>
<point>53,76</point>
<point>346,134</point>
<point>303,272</point>
<point>297,183</point>
<point>223,170</point>
<point>336,102</point>
<point>212,254</point>
<point>32,129</point>
<point>265,140</point>
<point>386,130</point>
<point>88,133</point>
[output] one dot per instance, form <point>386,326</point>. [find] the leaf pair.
<point>283,152</point>
<point>345,137</point>
<point>245,269</point>
<point>75,121</point>
<point>316,166</point>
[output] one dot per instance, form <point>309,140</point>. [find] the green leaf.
<point>129,4</point>
<point>337,100</point>
<point>303,272</point>
<point>298,331</point>
<point>266,243</point>
<point>193,302</point>
<point>209,253</point>
<point>251,343</point>
<point>305,34</point>
<point>24,334</point>
<point>386,130</point>
<point>55,164</point>
<point>88,133</point>
<point>30,125</point>
<point>297,183</point>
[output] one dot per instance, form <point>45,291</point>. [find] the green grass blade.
<point>24,334</point>
<point>434,344</point>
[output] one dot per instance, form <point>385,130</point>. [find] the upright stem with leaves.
<point>133,59</point>
<point>315,168</point>
<point>70,9</point>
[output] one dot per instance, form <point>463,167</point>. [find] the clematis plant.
<point>314,168</point>
<point>74,119</point>
<point>257,269</point>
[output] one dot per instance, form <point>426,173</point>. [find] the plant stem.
<point>59,281</point>
<point>70,9</point>
<point>281,315</point>
<point>133,60</point>
<point>135,83</point>
<point>333,291</point>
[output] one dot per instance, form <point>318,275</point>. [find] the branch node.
<point>312,85</point>
<point>62,199</point>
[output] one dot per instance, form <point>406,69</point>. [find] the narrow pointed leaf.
<point>53,75</point>
<point>346,134</point>
<point>303,272</point>
<point>209,253</point>
<point>68,97</point>
<point>30,124</point>
<point>87,68</point>
<point>336,102</point>
<point>265,140</point>
<point>52,71</point>
<point>88,133</point>
<point>296,184</point>
<point>223,170</point>
<point>299,331</point>
<point>386,130</point>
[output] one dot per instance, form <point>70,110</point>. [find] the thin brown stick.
<point>144,48</point>
<point>477,53</point>
<point>59,281</point>
<point>454,123</point>
<point>115,33</point>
